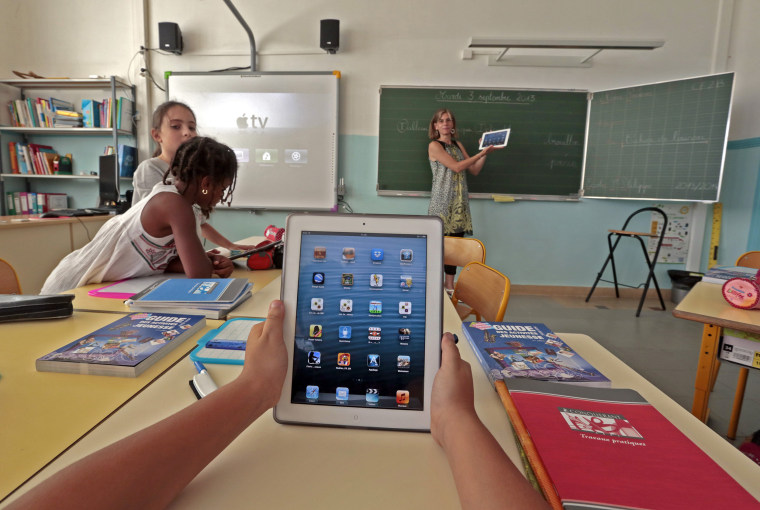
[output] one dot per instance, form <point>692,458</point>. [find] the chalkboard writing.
<point>660,141</point>
<point>545,151</point>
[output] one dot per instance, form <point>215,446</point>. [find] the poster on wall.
<point>675,244</point>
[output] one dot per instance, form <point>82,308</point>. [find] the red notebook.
<point>609,448</point>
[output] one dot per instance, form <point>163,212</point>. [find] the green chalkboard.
<point>660,141</point>
<point>544,155</point>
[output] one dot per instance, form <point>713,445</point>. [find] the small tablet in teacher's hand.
<point>496,138</point>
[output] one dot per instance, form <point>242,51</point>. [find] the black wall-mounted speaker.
<point>170,37</point>
<point>329,35</point>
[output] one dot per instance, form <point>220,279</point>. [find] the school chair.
<point>460,251</point>
<point>484,290</point>
<point>748,259</point>
<point>9,283</point>
<point>618,235</point>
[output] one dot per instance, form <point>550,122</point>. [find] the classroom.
<point>549,247</point>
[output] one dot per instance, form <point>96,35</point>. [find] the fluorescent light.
<point>484,42</point>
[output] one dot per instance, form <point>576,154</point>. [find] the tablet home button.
<point>356,417</point>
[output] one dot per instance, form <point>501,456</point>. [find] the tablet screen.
<point>360,321</point>
<point>496,138</point>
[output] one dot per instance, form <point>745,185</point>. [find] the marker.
<point>202,384</point>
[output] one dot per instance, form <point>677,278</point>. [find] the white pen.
<point>202,384</point>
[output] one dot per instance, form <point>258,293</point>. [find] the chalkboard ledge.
<point>501,197</point>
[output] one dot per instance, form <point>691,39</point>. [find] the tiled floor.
<point>657,345</point>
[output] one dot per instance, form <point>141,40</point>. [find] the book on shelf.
<point>125,348</point>
<point>10,204</point>
<point>13,157</point>
<point>519,350</point>
<point>124,111</point>
<point>721,274</point>
<point>609,448</point>
<point>90,113</point>
<point>213,297</point>
<point>67,119</point>
<point>61,104</point>
<point>127,157</point>
<point>56,201</point>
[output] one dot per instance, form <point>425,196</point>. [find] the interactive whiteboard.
<point>282,126</point>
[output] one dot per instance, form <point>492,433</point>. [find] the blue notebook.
<point>226,344</point>
<point>211,292</point>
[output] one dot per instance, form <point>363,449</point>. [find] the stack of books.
<point>212,297</point>
<point>721,274</point>
<point>66,118</point>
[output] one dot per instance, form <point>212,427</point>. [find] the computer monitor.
<point>109,181</point>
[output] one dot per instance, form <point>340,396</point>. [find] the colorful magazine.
<point>125,348</point>
<point>511,350</point>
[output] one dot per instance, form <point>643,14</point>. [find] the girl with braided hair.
<point>173,123</point>
<point>159,233</point>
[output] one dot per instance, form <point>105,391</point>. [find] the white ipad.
<point>363,318</point>
<point>496,138</point>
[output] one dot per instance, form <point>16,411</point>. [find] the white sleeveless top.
<point>121,249</point>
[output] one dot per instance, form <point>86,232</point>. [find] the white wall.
<point>418,42</point>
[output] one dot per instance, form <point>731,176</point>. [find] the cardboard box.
<point>741,348</point>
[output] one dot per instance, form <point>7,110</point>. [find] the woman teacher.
<point>449,198</point>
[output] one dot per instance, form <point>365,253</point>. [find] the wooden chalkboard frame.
<point>550,126</point>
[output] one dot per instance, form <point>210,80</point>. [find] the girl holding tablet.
<point>450,163</point>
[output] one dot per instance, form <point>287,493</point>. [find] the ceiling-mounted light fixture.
<point>562,52</point>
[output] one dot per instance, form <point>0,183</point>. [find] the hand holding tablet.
<point>363,314</point>
<point>498,139</point>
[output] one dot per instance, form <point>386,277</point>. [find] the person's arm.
<point>472,163</point>
<point>218,239</point>
<point>149,468</point>
<point>476,167</point>
<point>485,477</point>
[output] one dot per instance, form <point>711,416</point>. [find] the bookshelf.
<point>84,143</point>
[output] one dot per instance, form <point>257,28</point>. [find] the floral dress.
<point>449,198</point>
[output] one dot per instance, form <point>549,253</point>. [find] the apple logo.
<point>242,122</point>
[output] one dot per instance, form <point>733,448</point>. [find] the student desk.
<point>289,466</point>
<point>43,413</point>
<point>34,246</point>
<point>704,303</point>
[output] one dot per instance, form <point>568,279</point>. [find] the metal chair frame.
<point>619,234</point>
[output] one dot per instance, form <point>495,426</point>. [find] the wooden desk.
<point>44,413</point>
<point>289,466</point>
<point>35,247</point>
<point>704,303</point>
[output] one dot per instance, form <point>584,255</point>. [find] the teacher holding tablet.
<point>449,197</point>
